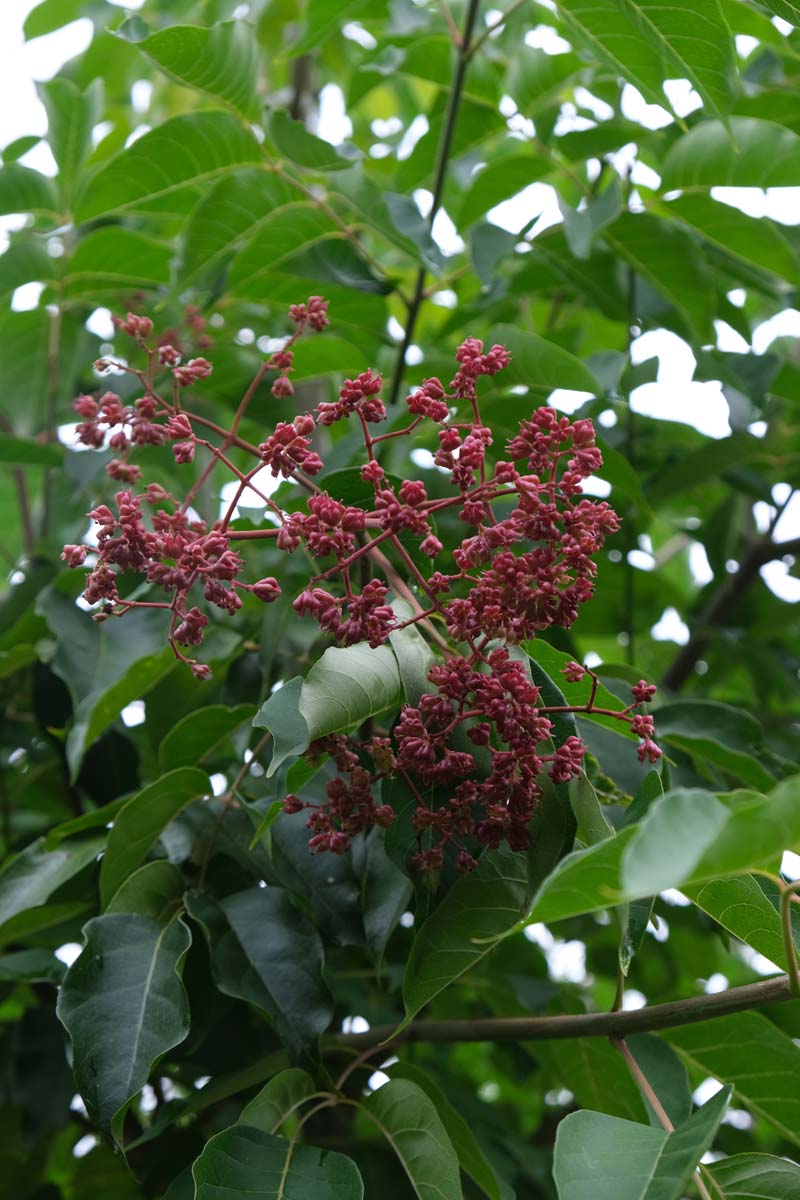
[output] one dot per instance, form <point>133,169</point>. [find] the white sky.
<point>674,396</point>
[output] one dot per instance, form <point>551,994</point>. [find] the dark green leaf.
<point>462,1139</point>
<point>30,878</point>
<point>410,1123</point>
<point>123,1005</point>
<point>19,451</point>
<point>198,733</point>
<point>142,819</point>
<point>759,1060</point>
<point>154,890</point>
<point>246,1164</point>
<point>277,1100</point>
<point>264,951</point>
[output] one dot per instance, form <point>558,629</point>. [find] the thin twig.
<point>440,174</point>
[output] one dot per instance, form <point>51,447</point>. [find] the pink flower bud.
<point>267,589</point>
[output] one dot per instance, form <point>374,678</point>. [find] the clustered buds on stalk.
<point>474,750</point>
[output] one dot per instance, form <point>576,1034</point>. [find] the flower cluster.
<point>474,751</point>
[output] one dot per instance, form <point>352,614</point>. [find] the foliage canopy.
<point>223,1020</point>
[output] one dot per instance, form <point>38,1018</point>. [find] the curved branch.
<point>581,1025</point>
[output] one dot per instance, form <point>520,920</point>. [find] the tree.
<point>539,893</point>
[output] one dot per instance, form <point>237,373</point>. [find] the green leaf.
<point>536,79</point>
<point>666,1074</point>
<point>154,890</point>
<point>71,117</point>
<point>503,176</point>
<point>597,1076</point>
<point>140,822</point>
<point>277,1100</point>
<point>324,17</point>
<point>755,1176</point>
<point>24,261</point>
<point>264,951</point>
<point>343,688</point>
<point>197,734</point>
<point>385,893</point>
<point>104,672</point>
<point>593,825</point>
<point>161,171</point>
<point>221,61</point>
<point>756,154</point>
<point>741,907</point>
<point>232,211</point>
<point>479,908</point>
<point>116,259</point>
<point>619,1160</point>
<point>668,259</point>
<point>293,140</point>
<point>410,1123</point>
<point>283,233</point>
<point>696,467</point>
<point>462,1139</point>
<point>694,42</point>
<point>759,1060</point>
<point>21,451</point>
<point>687,837</point>
<point>605,27</point>
<point>53,14</point>
<point>123,1005</point>
<point>34,921</point>
<point>246,1164</point>
<point>395,217</point>
<point>719,733</point>
<point>28,879</point>
<point>543,365</point>
<point>23,190</point>
<point>753,240</point>
<point>414,656</point>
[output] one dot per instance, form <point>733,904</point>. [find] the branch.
<point>581,1025</point>
<point>443,155</point>
<point>719,609</point>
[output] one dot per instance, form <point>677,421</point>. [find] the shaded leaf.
<point>462,1139</point>
<point>28,879</point>
<point>246,1164</point>
<point>759,1060</point>
<point>123,1005</point>
<point>154,890</point>
<point>19,451</point>
<point>140,821</point>
<point>277,1100</point>
<point>264,951</point>
<point>410,1123</point>
<point>198,733</point>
